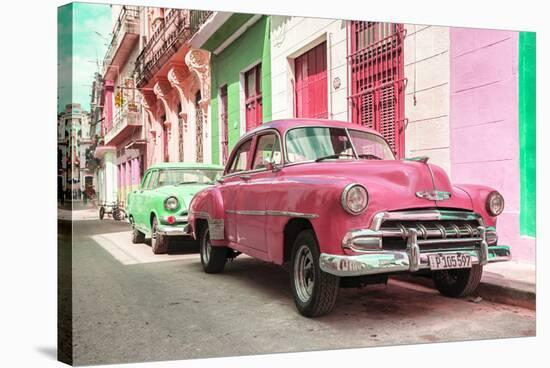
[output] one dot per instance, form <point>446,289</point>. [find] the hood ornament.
<point>433,195</point>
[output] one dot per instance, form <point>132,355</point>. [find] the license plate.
<point>449,261</point>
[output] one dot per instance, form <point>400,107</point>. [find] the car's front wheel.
<point>137,236</point>
<point>314,290</point>
<point>213,259</point>
<point>159,242</point>
<point>457,282</point>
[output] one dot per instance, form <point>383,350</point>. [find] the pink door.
<point>253,97</point>
<point>253,194</point>
<point>311,89</point>
<point>231,187</point>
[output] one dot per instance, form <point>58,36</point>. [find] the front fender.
<point>478,194</point>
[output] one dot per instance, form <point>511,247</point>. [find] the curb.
<point>493,292</point>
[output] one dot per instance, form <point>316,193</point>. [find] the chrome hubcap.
<point>206,247</point>
<point>304,273</point>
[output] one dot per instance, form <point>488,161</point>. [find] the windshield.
<point>318,143</point>
<point>187,176</point>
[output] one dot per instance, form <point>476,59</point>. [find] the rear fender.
<point>208,205</point>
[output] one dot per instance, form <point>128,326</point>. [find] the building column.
<point>176,77</point>
<point>110,176</point>
<point>162,89</point>
<point>198,62</point>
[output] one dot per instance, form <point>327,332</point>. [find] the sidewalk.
<point>512,283</point>
<point>90,213</point>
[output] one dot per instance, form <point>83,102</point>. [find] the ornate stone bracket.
<point>162,89</point>
<point>148,101</point>
<point>198,62</point>
<point>176,77</point>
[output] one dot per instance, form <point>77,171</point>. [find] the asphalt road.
<point>131,306</point>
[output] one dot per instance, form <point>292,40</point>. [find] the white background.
<point>28,181</point>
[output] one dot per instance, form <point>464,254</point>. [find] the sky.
<point>83,34</point>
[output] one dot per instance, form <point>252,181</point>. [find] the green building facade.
<point>228,66</point>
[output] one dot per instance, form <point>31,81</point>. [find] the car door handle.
<point>245,177</point>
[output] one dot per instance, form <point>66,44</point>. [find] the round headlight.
<point>355,199</point>
<point>171,203</point>
<point>495,203</point>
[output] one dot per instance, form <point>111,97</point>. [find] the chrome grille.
<point>432,234</point>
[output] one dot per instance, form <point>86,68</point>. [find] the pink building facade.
<point>485,144</point>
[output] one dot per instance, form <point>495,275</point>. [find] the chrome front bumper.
<point>174,230</point>
<point>420,240</point>
<point>395,261</point>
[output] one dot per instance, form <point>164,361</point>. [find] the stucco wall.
<point>291,37</point>
<point>484,122</point>
<point>427,69</point>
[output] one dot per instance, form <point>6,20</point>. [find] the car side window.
<point>268,150</point>
<point>153,180</point>
<point>145,180</point>
<point>241,157</point>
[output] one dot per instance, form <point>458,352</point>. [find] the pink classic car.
<point>330,198</point>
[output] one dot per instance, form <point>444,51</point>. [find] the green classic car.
<point>158,209</point>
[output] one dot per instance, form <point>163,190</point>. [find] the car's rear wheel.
<point>458,282</point>
<point>137,236</point>
<point>159,242</point>
<point>213,258</point>
<point>314,290</point>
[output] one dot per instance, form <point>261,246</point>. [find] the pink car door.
<point>254,190</point>
<point>230,187</point>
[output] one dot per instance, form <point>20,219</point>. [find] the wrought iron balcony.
<point>125,36</point>
<point>177,27</point>
<point>125,123</point>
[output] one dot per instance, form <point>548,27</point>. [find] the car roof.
<point>283,125</point>
<point>185,165</point>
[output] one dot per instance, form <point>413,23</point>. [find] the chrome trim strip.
<point>272,213</point>
<point>292,214</point>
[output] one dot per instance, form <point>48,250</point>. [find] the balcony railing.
<point>177,27</point>
<point>197,18</point>
<point>127,117</point>
<point>127,22</point>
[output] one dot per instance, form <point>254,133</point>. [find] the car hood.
<point>184,193</point>
<point>393,184</point>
